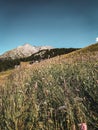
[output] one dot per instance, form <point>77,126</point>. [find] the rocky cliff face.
<point>23,51</point>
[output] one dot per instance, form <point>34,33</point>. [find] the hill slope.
<point>7,63</point>
<point>58,93</point>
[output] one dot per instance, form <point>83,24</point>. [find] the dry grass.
<point>54,94</point>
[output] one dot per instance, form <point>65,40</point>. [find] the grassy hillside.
<point>56,94</point>
<point>6,64</point>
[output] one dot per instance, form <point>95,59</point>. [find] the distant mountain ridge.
<point>23,51</point>
<point>30,54</point>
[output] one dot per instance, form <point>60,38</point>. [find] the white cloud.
<point>96,39</point>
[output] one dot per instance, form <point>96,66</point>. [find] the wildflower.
<point>45,103</point>
<point>36,86</point>
<point>20,91</point>
<point>78,99</point>
<point>27,84</point>
<point>83,126</point>
<point>50,121</point>
<point>46,92</point>
<point>62,107</point>
<point>77,90</point>
<point>43,78</point>
<point>97,81</point>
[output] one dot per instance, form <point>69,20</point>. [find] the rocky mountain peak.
<point>23,51</point>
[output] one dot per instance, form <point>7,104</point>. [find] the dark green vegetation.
<point>8,64</point>
<point>41,55</point>
<point>52,96</point>
<point>45,54</point>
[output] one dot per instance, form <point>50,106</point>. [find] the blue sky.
<point>58,23</point>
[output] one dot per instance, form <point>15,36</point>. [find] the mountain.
<point>30,54</point>
<point>23,51</point>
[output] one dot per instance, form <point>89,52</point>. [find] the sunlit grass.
<point>56,94</point>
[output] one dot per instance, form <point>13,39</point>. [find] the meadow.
<point>56,94</point>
